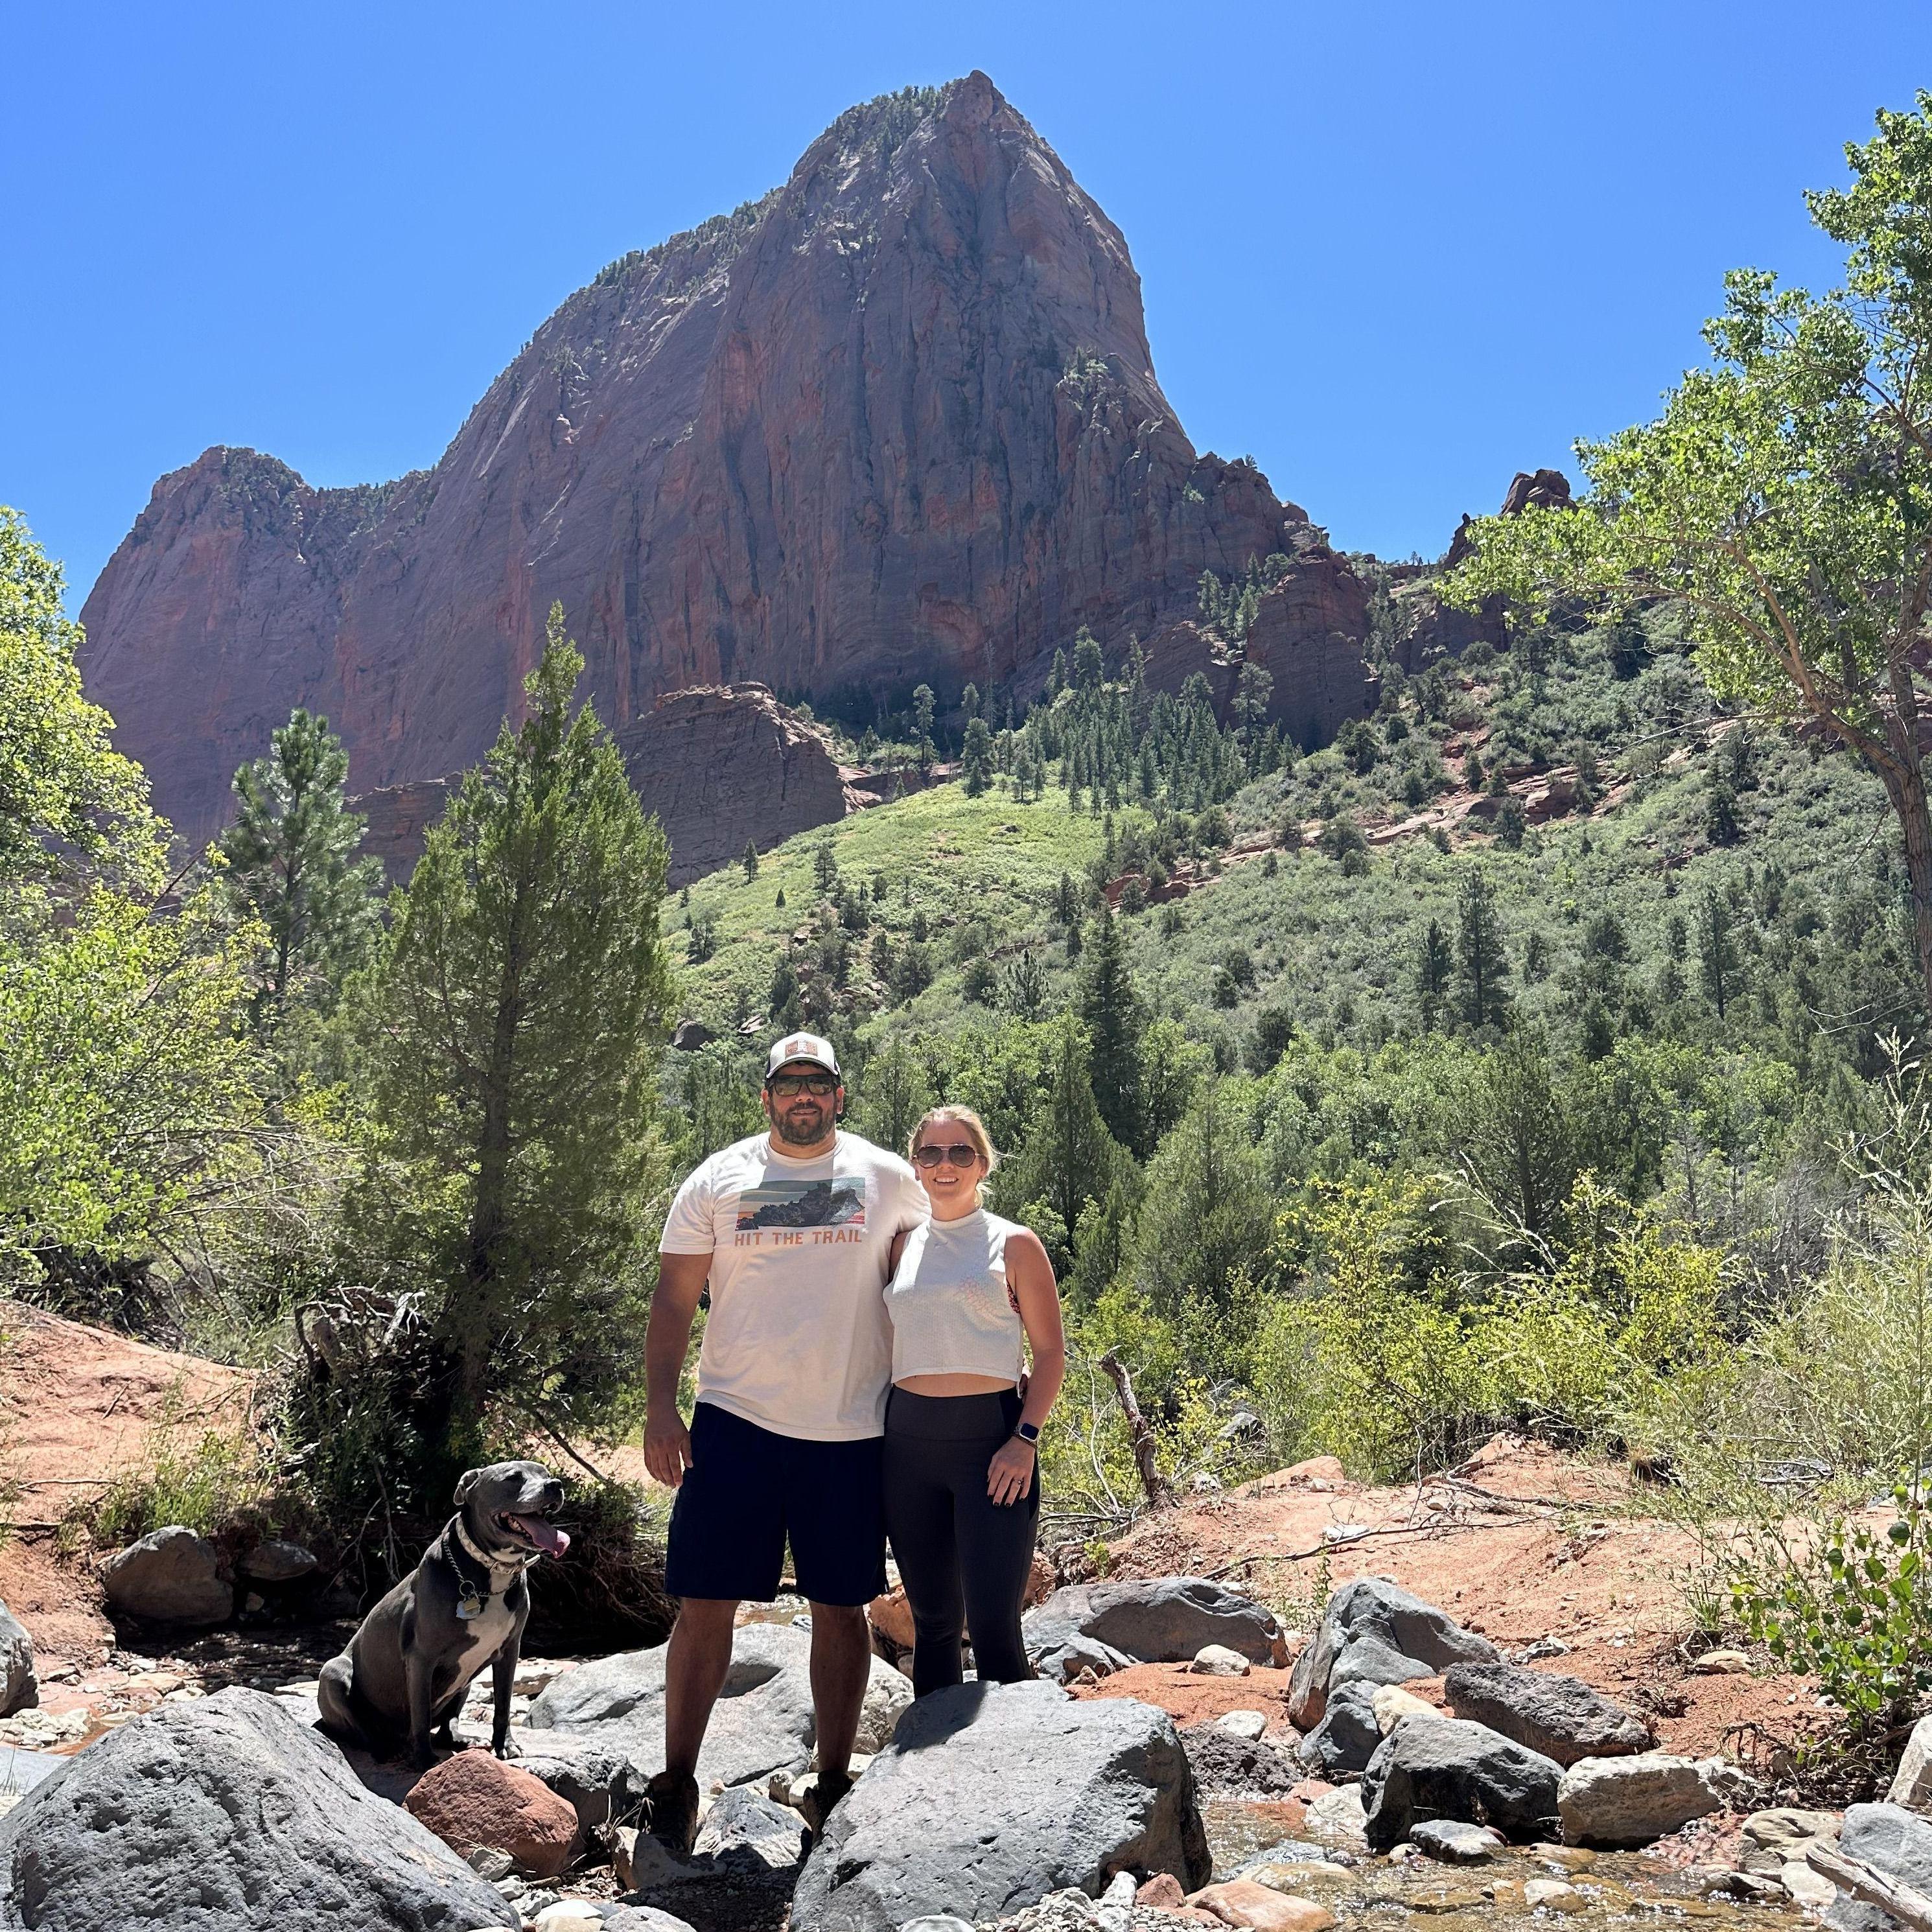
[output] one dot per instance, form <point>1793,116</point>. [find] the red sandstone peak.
<point>896,421</point>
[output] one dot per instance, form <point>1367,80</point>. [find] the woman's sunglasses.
<point>958,1155</point>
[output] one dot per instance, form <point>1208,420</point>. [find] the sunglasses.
<point>789,1086</point>
<point>958,1155</point>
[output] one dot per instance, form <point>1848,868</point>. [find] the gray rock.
<point>225,1813</point>
<point>1632,1800</point>
<point>990,1796</point>
<point>643,1919</point>
<point>277,1562</point>
<point>1375,1632</point>
<point>1342,1744</point>
<point>762,1722</point>
<point>1150,1620</point>
<point>1562,1717</point>
<point>172,1575</point>
<point>1889,1839</point>
<point>20,1686</point>
<point>1911,1784</point>
<point>1446,1768</point>
<point>744,1823</point>
<point>1456,1843</point>
<point>936,1922</point>
<point>1290,1852</point>
<point>1227,1765</point>
<point>1338,1816</point>
<point>601,1782</point>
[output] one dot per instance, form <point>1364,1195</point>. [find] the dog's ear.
<point>466,1485</point>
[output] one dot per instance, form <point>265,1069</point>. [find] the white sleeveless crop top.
<point>948,1302</point>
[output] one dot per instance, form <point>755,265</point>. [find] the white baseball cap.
<point>807,1047</point>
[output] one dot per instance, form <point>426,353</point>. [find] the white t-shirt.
<point>797,1340</point>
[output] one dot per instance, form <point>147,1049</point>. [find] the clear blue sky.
<point>1394,251</point>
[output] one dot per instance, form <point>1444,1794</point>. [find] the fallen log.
<point>1905,1903</point>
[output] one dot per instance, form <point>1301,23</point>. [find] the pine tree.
<point>922,706</point>
<point>1718,962</point>
<point>1434,966</point>
<point>976,758</point>
<point>750,861</point>
<point>1481,965</point>
<point>513,1030</point>
<point>291,862</point>
<point>969,703</point>
<point>1110,1010</point>
<point>1068,1158</point>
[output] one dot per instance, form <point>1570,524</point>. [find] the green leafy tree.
<point>66,796</point>
<point>292,863</point>
<point>1482,966</point>
<point>1785,495</point>
<point>514,1023</point>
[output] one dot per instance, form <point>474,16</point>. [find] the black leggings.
<point>962,1556</point>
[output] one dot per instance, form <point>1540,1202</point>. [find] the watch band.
<point>1028,1433</point>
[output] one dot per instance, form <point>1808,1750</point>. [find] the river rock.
<point>1338,1818</point>
<point>194,1816</point>
<point>1782,1835</point>
<point>276,1561</point>
<point>991,1795</point>
<point>744,1824</point>
<point>1911,1784</point>
<point>763,1721</point>
<point>1227,1764</point>
<point>473,1799</point>
<point>1562,1717</point>
<point>171,1575</point>
<point>1891,1840</point>
<point>1149,1620</point>
<point>1343,1742</point>
<point>1632,1800</point>
<point>19,1684</point>
<point>1374,1632</point>
<point>1455,1842</point>
<point>1448,1768</point>
<point>1259,1908</point>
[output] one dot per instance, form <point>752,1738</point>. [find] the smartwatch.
<point>1028,1433</point>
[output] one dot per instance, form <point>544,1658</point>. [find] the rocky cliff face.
<point>899,420</point>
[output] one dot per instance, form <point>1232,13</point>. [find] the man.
<point>793,1230</point>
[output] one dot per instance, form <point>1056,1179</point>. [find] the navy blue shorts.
<point>749,1490</point>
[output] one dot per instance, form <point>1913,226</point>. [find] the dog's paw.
<point>507,1748</point>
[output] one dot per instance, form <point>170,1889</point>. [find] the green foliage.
<point>292,866</point>
<point>66,796</point>
<point>511,1027</point>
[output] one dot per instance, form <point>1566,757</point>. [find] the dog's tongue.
<point>547,1537</point>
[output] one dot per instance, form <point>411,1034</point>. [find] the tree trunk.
<point>1159,1490</point>
<point>1907,788</point>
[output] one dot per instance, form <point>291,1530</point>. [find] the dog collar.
<point>508,1567</point>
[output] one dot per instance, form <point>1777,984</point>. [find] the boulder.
<point>1373,1632</point>
<point>990,1796</point>
<point>1562,1717</point>
<point>1631,1801</point>
<point>744,1824</point>
<point>1447,1768</point>
<point>1911,1784</point>
<point>276,1561</point>
<point>1148,1620</point>
<point>473,1799</point>
<point>1391,1703</point>
<point>599,1780</point>
<point>763,1723</point>
<point>1342,1744</point>
<point>172,1575</point>
<point>1338,1817</point>
<point>200,1814</point>
<point>1782,1835</point>
<point>1891,1840</point>
<point>19,1684</point>
<point>1216,1660</point>
<point>1250,1726</point>
<point>1227,1765</point>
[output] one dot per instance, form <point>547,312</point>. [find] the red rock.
<point>473,1799</point>
<point>1163,1891</point>
<point>1241,1902</point>
<point>897,420</point>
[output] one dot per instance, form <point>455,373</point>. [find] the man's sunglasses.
<point>789,1086</point>
<point>958,1155</point>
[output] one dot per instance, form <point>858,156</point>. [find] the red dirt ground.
<point>1529,1544</point>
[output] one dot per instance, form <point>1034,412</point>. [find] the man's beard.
<point>797,1133</point>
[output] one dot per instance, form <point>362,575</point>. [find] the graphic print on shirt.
<point>801,1213</point>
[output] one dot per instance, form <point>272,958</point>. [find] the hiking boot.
<point>814,1795</point>
<point>670,1811</point>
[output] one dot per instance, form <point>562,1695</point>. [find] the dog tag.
<point>470,1606</point>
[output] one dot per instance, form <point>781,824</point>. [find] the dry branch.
<point>1159,1490</point>
<point>1908,1906</point>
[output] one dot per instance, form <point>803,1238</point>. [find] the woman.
<point>962,1489</point>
